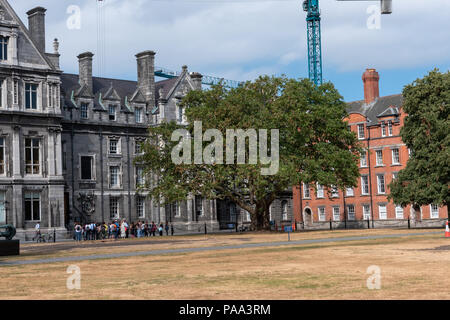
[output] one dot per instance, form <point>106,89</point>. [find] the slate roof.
<point>124,88</point>
<point>381,107</point>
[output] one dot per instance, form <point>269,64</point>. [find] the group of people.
<point>120,229</point>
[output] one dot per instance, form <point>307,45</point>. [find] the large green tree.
<point>426,177</point>
<point>315,144</point>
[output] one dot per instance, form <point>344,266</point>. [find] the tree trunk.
<point>261,220</point>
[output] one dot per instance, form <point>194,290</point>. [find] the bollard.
<point>331,225</point>
<point>409,224</point>
<point>368,223</point>
<point>54,235</point>
<point>205,229</point>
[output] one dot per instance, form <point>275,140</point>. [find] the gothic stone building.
<point>68,142</point>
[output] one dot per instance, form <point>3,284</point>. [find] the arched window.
<point>3,48</point>
<point>284,209</point>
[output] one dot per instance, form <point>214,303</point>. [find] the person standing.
<point>171,229</point>
<point>122,229</point>
<point>160,229</point>
<point>78,230</point>
<point>167,228</point>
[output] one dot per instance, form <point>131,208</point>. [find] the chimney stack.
<point>197,79</point>
<point>146,75</point>
<point>371,85</point>
<point>36,26</point>
<point>85,67</point>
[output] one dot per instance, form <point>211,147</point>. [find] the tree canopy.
<point>425,179</point>
<point>314,145</point>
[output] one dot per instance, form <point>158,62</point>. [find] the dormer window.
<point>390,128</point>
<point>383,129</point>
<point>84,111</point>
<point>3,48</point>
<point>112,112</point>
<point>31,96</point>
<point>138,115</point>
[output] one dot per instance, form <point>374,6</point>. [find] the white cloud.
<point>242,39</point>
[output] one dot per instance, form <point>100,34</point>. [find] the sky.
<point>243,39</point>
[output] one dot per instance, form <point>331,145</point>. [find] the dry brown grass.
<point>336,270</point>
<point>65,249</point>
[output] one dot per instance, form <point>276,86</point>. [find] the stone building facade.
<point>68,141</point>
<point>377,122</point>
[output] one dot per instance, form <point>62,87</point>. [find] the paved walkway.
<point>212,248</point>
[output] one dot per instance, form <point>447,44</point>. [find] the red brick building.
<point>376,121</point>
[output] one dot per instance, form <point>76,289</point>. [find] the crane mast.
<point>314,41</point>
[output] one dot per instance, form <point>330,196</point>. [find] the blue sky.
<point>242,39</point>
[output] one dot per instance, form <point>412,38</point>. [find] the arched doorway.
<point>307,216</point>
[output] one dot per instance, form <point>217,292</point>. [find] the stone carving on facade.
<point>87,203</point>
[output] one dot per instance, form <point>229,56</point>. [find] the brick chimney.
<point>146,75</point>
<point>85,67</point>
<point>371,88</point>
<point>36,26</point>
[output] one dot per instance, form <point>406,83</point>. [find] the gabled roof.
<point>382,106</point>
<point>106,87</point>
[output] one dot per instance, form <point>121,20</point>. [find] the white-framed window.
<point>84,110</point>
<point>434,211</point>
<point>284,210</point>
<point>112,110</point>
<point>321,214</point>
<point>382,212</point>
<point>395,156</point>
<point>32,155</point>
<point>394,175</point>
<point>351,212</point>
<point>138,146</point>
<point>114,176</point>
<point>114,207</point>
<point>334,192</point>
<point>320,193</point>
<point>199,206</point>
<point>336,214</point>
<point>270,212</point>
<point>361,134</point>
<point>366,211</point>
<point>390,131</point>
<point>398,212</point>
<point>4,48</point>
<point>180,115</point>
<point>306,191</point>
<point>87,171</point>
<point>383,129</point>
<point>380,184</point>
<point>140,179</point>
<point>2,207</point>
<point>177,209</point>
<point>363,159</point>
<point>31,96</point>
<point>138,115</point>
<point>140,206</point>
<point>349,192</point>
<point>364,185</point>
<point>379,157</point>
<point>114,146</point>
<point>2,156</point>
<point>247,216</point>
<point>32,206</point>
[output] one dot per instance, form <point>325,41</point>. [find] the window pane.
<point>86,168</point>
<point>36,210</point>
<point>28,209</point>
